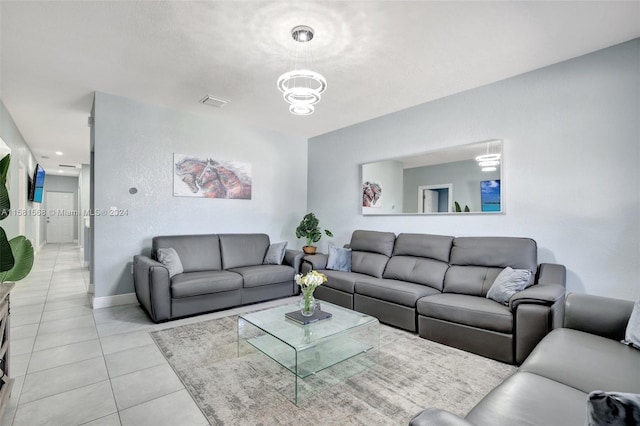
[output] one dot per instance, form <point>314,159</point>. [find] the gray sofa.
<point>436,285</point>
<point>220,271</point>
<point>552,385</point>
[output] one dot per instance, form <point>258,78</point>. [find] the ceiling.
<point>377,56</point>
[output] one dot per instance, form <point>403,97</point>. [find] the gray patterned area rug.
<point>411,374</point>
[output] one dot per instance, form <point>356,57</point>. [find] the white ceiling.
<point>377,56</point>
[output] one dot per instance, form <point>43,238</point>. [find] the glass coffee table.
<point>316,355</point>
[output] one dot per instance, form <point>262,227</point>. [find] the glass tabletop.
<point>274,322</point>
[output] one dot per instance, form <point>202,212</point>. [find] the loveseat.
<point>437,285</point>
<point>219,271</point>
<point>551,387</point>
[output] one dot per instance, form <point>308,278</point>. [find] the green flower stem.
<point>307,292</point>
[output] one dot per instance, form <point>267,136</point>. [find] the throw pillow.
<point>339,259</point>
<point>613,408</point>
<point>507,283</point>
<point>632,334</point>
<point>275,254</point>
<point>170,259</point>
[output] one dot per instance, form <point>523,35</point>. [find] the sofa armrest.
<point>551,273</point>
<point>293,258</point>
<point>152,285</point>
<point>317,261</point>
<point>437,417</point>
<point>598,315</point>
<point>539,294</point>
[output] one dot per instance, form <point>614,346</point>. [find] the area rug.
<point>411,374</point>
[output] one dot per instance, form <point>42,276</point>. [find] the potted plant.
<point>16,255</point>
<point>310,230</point>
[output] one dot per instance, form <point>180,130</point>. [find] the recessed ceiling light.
<point>58,152</point>
<point>61,171</point>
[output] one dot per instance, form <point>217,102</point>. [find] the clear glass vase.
<point>307,303</point>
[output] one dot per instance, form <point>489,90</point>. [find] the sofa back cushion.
<point>476,262</point>
<point>240,250</point>
<point>420,258</point>
<point>196,252</point>
<point>370,251</point>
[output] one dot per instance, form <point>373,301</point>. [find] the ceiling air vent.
<point>213,101</point>
<point>69,166</point>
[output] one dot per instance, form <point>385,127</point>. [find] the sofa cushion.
<point>436,247</point>
<point>399,292</point>
<point>196,252</point>
<point>373,241</point>
<point>371,264</point>
<point>566,355</point>
<point>243,249</point>
<point>472,280</point>
<point>528,399</point>
<point>416,270</point>
<point>500,252</point>
<point>477,261</point>
<point>197,283</point>
<point>170,259</point>
<point>256,276</point>
<point>339,259</point>
<point>468,310</point>
<point>343,281</point>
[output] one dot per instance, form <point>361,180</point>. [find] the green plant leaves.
<point>309,229</point>
<point>5,204</point>
<point>6,254</point>
<point>22,251</point>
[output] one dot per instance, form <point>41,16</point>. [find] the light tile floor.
<point>77,366</point>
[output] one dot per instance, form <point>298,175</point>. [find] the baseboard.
<point>118,299</point>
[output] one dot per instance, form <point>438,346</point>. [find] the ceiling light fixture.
<point>489,161</point>
<point>58,153</point>
<point>302,87</point>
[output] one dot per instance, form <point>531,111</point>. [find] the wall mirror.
<point>461,179</point>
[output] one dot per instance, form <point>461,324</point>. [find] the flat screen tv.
<point>37,185</point>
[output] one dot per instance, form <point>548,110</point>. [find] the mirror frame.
<point>371,191</point>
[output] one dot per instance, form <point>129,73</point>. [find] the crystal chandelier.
<point>301,87</point>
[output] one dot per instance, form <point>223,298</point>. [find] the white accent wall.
<point>133,147</point>
<point>571,176</point>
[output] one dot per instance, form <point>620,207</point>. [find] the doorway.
<point>435,198</point>
<point>60,217</point>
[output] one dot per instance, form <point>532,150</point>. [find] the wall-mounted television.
<point>36,188</point>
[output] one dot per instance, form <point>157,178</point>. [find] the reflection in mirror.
<point>465,178</point>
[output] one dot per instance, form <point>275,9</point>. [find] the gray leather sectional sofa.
<point>220,271</point>
<point>436,285</point>
<point>552,385</point>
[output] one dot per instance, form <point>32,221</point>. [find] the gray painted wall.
<point>55,183</point>
<point>134,145</point>
<point>571,154</point>
<point>20,153</point>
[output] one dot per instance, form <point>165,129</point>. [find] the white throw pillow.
<point>170,259</point>
<point>507,283</point>
<point>632,334</point>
